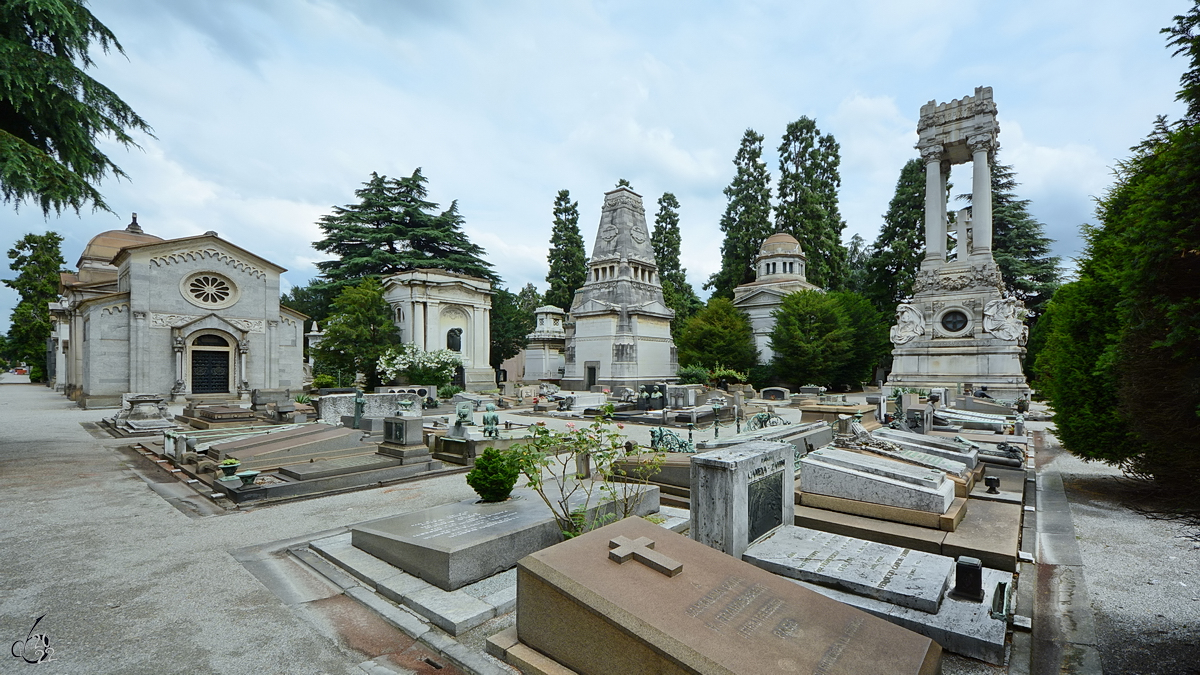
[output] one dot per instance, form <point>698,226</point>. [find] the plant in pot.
<point>494,475</point>
<point>229,466</point>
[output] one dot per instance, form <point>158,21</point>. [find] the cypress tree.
<point>37,260</point>
<point>808,210</point>
<point>747,218</point>
<point>666,239</point>
<point>567,257</point>
<point>896,255</point>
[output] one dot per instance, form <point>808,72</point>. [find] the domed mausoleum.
<point>779,269</point>
<point>194,315</point>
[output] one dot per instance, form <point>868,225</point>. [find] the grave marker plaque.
<point>739,494</point>
<point>717,614</point>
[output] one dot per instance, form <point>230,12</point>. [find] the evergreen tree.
<point>359,331</point>
<point>812,339</point>
<point>567,257</point>
<point>51,113</point>
<point>1019,245</point>
<point>869,342</point>
<point>747,218</point>
<point>511,325</point>
<point>666,239</point>
<point>857,255</point>
<point>314,300</point>
<point>392,229</point>
<point>808,209</point>
<point>897,253</point>
<point>528,299</point>
<point>37,260</point>
<point>718,335</point>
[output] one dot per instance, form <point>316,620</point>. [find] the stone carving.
<point>909,325</point>
<point>985,276</point>
<point>116,309</point>
<point>171,320</point>
<point>1002,318</point>
<point>463,412</point>
<point>207,253</point>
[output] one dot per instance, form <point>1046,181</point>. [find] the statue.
<point>656,402</point>
<point>643,398</point>
<point>927,416</point>
<point>464,413</point>
<point>909,324</point>
<point>491,422</point>
<point>1003,318</point>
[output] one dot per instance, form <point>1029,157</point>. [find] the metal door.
<point>210,372</point>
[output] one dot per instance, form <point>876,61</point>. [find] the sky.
<point>267,114</point>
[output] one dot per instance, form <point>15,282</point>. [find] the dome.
<point>105,246</point>
<point>780,243</point>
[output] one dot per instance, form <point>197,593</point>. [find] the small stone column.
<point>935,236</point>
<point>418,319</point>
<point>981,195</point>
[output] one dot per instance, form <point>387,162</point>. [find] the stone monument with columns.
<point>959,327</point>
<point>622,331</point>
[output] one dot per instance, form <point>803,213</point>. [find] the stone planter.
<point>229,469</point>
<point>247,477</point>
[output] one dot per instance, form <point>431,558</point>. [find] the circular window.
<point>954,321</point>
<point>210,290</point>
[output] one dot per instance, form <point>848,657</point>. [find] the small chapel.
<point>186,316</point>
<point>779,269</point>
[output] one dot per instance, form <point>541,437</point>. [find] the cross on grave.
<point>642,550</point>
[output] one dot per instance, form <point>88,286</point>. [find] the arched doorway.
<point>211,364</point>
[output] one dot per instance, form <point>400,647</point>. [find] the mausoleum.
<point>959,326</point>
<point>779,269</point>
<point>622,331</point>
<point>435,309</point>
<point>193,315</point>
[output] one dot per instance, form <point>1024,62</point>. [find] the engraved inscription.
<point>895,566</point>
<point>834,652</point>
<point>460,524</point>
<point>736,607</point>
<point>788,628</point>
<point>711,597</point>
<point>770,607</point>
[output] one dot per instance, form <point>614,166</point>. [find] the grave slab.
<point>865,478</point>
<point>961,627</point>
<point>456,544</point>
<point>900,576</point>
<point>946,522</point>
<point>454,612</point>
<point>592,614</point>
<point>990,532</point>
<point>337,467</point>
<point>897,534</point>
<point>366,568</point>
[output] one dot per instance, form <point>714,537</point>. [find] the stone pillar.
<point>418,319</point>
<point>435,338</point>
<point>981,195</point>
<point>935,237</point>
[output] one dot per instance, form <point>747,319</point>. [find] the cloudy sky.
<point>267,113</point>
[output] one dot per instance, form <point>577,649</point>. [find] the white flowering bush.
<point>418,365</point>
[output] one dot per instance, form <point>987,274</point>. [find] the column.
<point>981,195</point>
<point>418,319</point>
<point>435,337</point>
<point>935,222</point>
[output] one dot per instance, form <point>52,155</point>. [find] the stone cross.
<point>642,550</point>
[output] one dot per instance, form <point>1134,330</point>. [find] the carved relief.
<point>177,320</point>
<point>207,254</point>
<point>985,276</point>
<point>909,325</point>
<point>1003,318</point>
<point>115,309</point>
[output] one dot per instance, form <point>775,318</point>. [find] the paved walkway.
<point>127,583</point>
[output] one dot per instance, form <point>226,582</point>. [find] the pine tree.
<point>393,229</point>
<point>37,260</point>
<point>51,113</point>
<point>812,338</point>
<point>567,257</point>
<point>747,218</point>
<point>808,209</point>
<point>896,255</point>
<point>857,255</point>
<point>666,239</point>
<point>529,299</point>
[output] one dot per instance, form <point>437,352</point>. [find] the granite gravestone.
<point>876,480</point>
<point>741,493</point>
<point>633,597</point>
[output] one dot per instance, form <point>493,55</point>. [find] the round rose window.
<point>210,290</point>
<point>954,321</point>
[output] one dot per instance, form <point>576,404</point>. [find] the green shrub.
<point>324,381</point>
<point>693,375</point>
<point>728,374</point>
<point>448,391</point>
<point>494,475</point>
